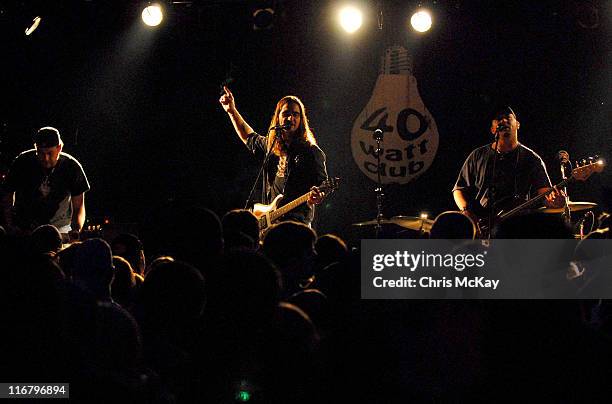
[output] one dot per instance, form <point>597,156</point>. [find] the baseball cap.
<point>501,111</point>
<point>47,137</point>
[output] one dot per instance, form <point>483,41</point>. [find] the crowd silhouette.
<point>204,310</point>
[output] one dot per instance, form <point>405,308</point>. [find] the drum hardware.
<point>407,222</point>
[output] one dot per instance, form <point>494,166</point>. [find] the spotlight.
<point>33,26</point>
<point>263,18</point>
<point>350,19</point>
<point>152,15</point>
<point>421,20</point>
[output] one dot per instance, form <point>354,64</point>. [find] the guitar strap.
<point>515,191</point>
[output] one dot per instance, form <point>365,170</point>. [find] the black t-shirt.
<point>293,175</point>
<point>518,175</point>
<point>44,196</point>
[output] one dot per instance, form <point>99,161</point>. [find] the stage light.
<point>263,18</point>
<point>350,19</point>
<point>33,26</point>
<point>421,20</point>
<point>152,15</point>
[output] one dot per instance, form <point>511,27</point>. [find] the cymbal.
<point>407,222</point>
<point>373,222</point>
<point>413,223</point>
<point>574,207</point>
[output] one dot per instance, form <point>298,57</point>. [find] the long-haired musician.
<point>296,165</point>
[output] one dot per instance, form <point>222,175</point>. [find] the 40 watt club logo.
<point>408,148</point>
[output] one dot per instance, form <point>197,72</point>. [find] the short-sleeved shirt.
<point>518,175</point>
<point>43,196</point>
<point>292,175</point>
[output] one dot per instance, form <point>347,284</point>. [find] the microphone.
<point>500,127</point>
<point>378,134</point>
<point>280,127</point>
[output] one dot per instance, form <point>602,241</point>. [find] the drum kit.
<point>422,225</point>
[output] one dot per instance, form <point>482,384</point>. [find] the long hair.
<point>303,132</point>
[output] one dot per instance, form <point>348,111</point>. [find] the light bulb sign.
<point>410,135</point>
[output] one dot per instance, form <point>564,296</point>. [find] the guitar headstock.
<point>329,185</point>
<point>588,167</point>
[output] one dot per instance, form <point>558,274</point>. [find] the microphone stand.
<point>567,213</point>
<point>261,170</point>
<point>492,189</point>
<point>378,136</point>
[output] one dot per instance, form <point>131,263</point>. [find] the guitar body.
<point>508,207</point>
<point>262,212</point>
<point>485,221</point>
<point>268,214</point>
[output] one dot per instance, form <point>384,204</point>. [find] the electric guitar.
<point>90,231</point>
<point>581,173</point>
<point>268,214</point>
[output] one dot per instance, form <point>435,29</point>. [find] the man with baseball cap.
<point>503,172</point>
<point>45,186</point>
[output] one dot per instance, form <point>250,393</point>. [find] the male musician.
<point>519,172</point>
<point>296,164</point>
<point>45,186</point>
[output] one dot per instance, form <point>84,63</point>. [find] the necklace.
<point>45,186</point>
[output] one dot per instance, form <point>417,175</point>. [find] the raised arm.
<point>242,128</point>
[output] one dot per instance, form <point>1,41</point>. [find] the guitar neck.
<point>533,200</point>
<point>289,207</point>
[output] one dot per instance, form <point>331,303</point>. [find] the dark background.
<point>139,106</point>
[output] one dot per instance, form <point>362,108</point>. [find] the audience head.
<point>330,248</point>
<point>240,229</point>
<point>453,225</point>
<point>172,294</point>
<point>46,239</point>
<point>93,267</point>
<point>124,283</point>
<point>157,261</point>
<point>129,247</point>
<point>289,242</point>
<point>314,303</point>
<point>290,245</point>
<point>118,345</point>
<point>66,258</point>
<point>247,288</point>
